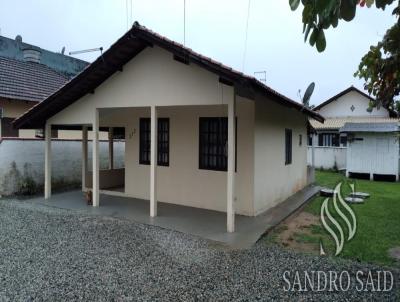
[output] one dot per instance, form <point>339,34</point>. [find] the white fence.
<point>328,157</point>
<point>22,163</point>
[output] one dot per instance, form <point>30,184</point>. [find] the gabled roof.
<point>367,127</point>
<point>28,81</point>
<point>342,93</point>
<point>123,50</point>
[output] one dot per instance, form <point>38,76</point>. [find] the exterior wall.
<point>275,181</point>
<point>341,107</point>
<point>22,160</point>
<point>109,179</point>
<point>151,78</point>
<point>328,157</point>
<point>15,108</point>
<point>182,182</point>
<point>377,153</point>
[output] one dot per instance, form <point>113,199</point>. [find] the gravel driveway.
<point>49,254</point>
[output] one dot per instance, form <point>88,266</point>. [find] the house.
<point>29,74</point>
<point>197,133</point>
<point>344,113</point>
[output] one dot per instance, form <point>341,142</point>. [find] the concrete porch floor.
<point>199,222</point>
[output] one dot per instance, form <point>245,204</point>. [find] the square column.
<point>95,149</point>
<point>153,161</point>
<point>110,148</point>
<point>47,161</point>
<point>230,208</point>
<point>312,176</point>
<point>84,156</point>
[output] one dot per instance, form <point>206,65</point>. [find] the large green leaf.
<point>348,9</point>
<point>369,3</point>
<point>294,4</point>
<point>323,5</point>
<point>321,42</point>
<point>314,36</point>
<point>382,3</point>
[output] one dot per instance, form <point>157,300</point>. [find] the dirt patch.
<point>295,226</point>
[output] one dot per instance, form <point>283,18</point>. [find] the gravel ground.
<point>49,254</point>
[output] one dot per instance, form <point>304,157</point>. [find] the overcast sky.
<point>214,28</point>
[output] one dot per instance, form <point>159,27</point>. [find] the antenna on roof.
<point>264,76</point>
<point>63,50</point>
<point>184,22</point>
<point>77,52</point>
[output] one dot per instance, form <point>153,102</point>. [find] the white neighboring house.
<point>353,139</point>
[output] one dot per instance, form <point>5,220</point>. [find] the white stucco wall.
<point>341,107</point>
<point>28,156</point>
<point>328,157</point>
<point>275,181</point>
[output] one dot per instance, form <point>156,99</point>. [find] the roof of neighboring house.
<point>335,97</point>
<point>66,65</point>
<point>337,123</point>
<point>123,50</point>
<point>347,90</point>
<point>368,127</point>
<point>28,81</point>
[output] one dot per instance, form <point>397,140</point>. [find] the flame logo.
<point>336,231</point>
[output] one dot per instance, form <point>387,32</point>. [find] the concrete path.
<point>199,222</point>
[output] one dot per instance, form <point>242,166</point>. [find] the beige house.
<point>197,133</point>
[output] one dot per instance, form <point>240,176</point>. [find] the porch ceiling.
<point>123,50</point>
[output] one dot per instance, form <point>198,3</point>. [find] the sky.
<point>217,29</point>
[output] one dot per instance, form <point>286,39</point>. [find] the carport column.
<point>153,162</point>
<point>110,148</point>
<point>230,211</point>
<point>47,161</point>
<point>95,147</point>
<point>84,156</point>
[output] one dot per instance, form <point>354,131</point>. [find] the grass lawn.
<point>378,221</point>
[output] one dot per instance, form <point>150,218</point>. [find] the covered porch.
<point>193,221</point>
<point>151,182</point>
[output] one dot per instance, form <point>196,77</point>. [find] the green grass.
<point>378,219</point>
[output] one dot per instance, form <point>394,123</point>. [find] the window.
<point>213,147</point>
<point>343,140</point>
<point>300,140</point>
<point>288,146</point>
<point>328,140</point>
<point>310,139</point>
<point>162,144</point>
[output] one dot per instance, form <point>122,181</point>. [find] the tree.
<point>380,67</point>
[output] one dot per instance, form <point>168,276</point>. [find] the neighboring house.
<point>29,74</point>
<point>198,133</point>
<point>349,108</point>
